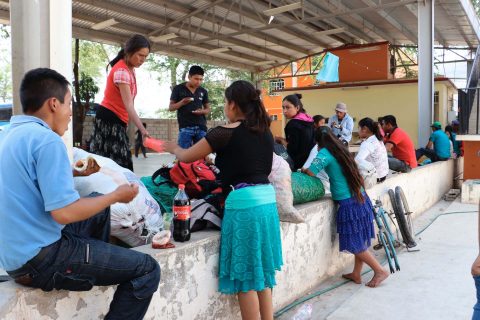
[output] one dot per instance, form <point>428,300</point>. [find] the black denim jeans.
<point>429,153</point>
<point>82,258</point>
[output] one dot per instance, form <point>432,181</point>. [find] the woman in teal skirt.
<point>250,247</point>
<point>355,211</point>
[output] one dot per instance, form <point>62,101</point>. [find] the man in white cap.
<point>341,123</point>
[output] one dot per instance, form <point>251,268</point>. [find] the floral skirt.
<point>110,140</point>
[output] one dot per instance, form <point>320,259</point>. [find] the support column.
<point>41,37</point>
<point>425,69</point>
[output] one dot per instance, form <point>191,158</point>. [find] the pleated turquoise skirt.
<point>250,247</point>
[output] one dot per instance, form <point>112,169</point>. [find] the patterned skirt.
<point>355,224</point>
<point>251,247</point>
<point>110,140</point>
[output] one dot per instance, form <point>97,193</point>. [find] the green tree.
<point>6,82</point>
<point>476,5</point>
<point>93,57</point>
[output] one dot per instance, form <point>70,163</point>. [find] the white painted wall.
<point>188,288</point>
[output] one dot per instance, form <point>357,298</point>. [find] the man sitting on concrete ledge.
<point>399,144</point>
<point>50,237</point>
<point>438,146</point>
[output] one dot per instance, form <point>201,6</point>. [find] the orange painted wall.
<point>357,63</point>
<point>471,166</point>
<point>364,63</point>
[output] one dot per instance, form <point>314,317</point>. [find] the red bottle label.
<point>182,213</point>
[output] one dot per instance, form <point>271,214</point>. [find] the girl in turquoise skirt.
<point>250,247</point>
<point>355,212</point>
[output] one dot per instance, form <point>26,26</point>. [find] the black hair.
<point>449,129</point>
<point>247,98</point>
<point>325,139</point>
<point>372,126</point>
<point>135,43</point>
<point>39,85</point>
<point>317,118</point>
<point>196,70</point>
<point>390,120</point>
<point>296,100</point>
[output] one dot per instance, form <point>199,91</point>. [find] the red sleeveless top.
<point>112,98</point>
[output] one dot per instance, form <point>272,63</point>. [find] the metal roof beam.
<point>391,20</point>
<point>133,29</point>
<point>102,36</point>
<point>341,22</point>
<point>254,16</point>
<point>358,20</point>
<point>204,32</point>
<point>452,16</point>
<point>413,10</point>
<point>186,16</point>
<point>234,26</point>
<point>324,16</point>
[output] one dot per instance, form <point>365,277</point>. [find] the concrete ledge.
<point>471,191</point>
<point>188,288</point>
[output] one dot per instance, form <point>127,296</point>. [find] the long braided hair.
<point>325,139</point>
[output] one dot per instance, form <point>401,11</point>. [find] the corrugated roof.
<point>242,26</point>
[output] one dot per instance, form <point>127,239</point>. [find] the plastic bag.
<point>306,188</point>
<point>135,222</point>
<point>280,177</point>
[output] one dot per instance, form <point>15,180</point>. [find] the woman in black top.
<point>250,248</point>
<point>299,131</point>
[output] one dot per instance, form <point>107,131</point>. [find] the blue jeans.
<point>187,137</point>
<point>82,258</point>
<point>476,308</point>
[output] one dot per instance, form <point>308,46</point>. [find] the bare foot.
<point>352,277</point>
<point>377,279</point>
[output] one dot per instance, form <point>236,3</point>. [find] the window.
<point>436,106</point>
<point>277,84</point>
<point>274,117</point>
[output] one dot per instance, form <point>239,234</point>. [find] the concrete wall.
<point>165,129</point>
<point>188,288</point>
<point>399,99</point>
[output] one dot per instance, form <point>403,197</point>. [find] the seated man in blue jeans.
<point>190,100</point>
<point>438,147</point>
<point>50,238</point>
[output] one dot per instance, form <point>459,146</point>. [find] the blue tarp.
<point>329,71</point>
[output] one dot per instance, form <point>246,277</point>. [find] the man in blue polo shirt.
<point>190,100</point>
<point>50,238</point>
<point>438,147</point>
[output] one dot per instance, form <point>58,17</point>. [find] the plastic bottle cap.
<point>181,186</point>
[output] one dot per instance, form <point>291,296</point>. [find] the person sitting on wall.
<point>299,131</point>
<point>438,146</point>
<point>341,123</point>
<point>372,153</point>
<point>319,121</point>
<point>400,145</point>
<point>50,237</point>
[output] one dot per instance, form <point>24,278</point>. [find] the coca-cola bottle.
<point>181,215</point>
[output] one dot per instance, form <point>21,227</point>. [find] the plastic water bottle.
<point>304,313</point>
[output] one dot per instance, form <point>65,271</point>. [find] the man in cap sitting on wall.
<point>438,146</point>
<point>341,123</point>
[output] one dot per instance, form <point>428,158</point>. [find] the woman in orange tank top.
<point>110,137</point>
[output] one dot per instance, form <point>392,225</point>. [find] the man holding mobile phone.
<point>190,100</point>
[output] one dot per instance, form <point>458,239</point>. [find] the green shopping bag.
<point>306,188</point>
<point>163,193</point>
